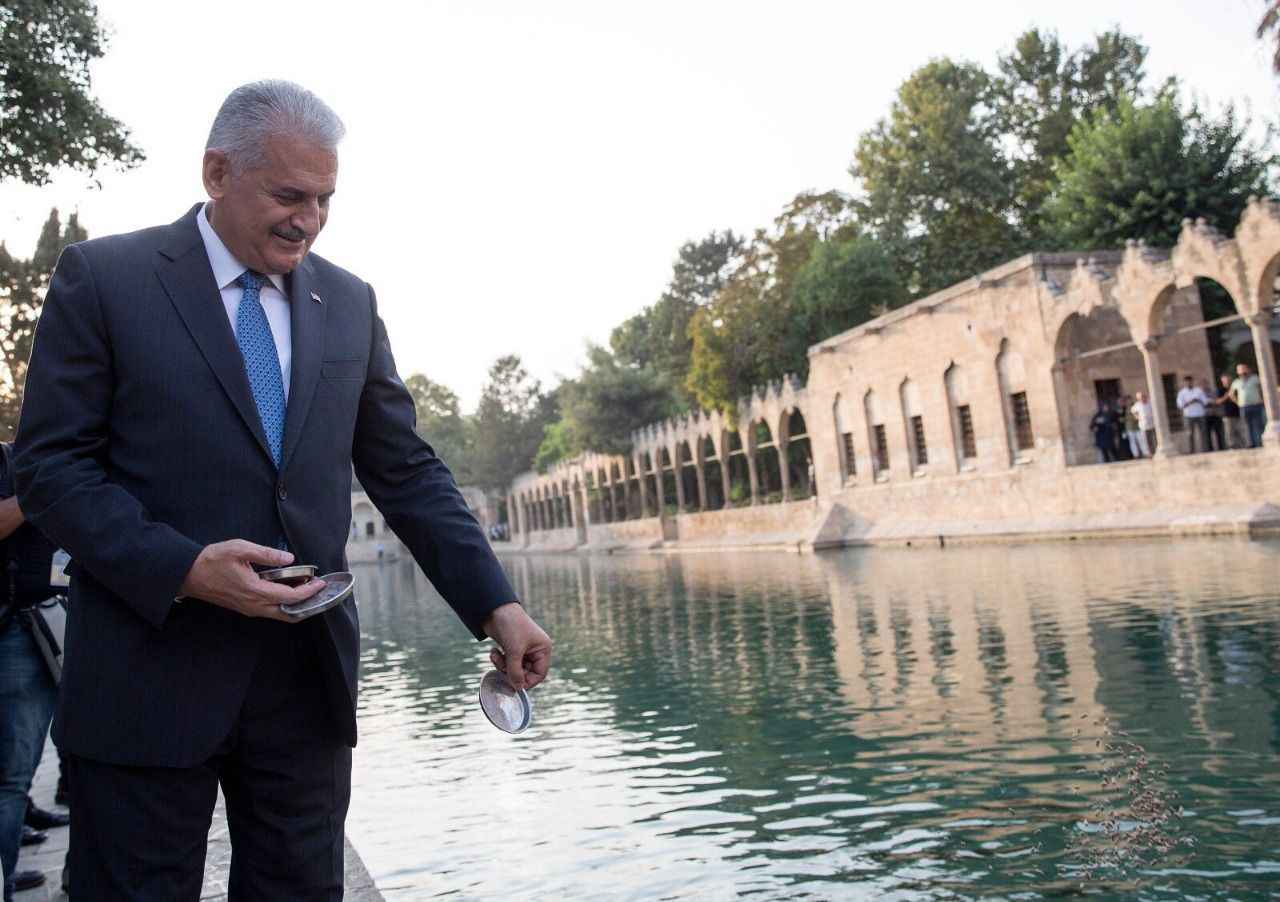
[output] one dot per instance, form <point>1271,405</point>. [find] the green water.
<point>999,722</point>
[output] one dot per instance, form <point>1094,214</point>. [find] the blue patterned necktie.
<point>261,362</point>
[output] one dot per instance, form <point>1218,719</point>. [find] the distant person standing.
<point>1247,390</point>
<point>1191,401</point>
<point>1132,432</point>
<point>1216,438</point>
<point>1146,424</point>
<point>1103,428</point>
<point>1231,421</point>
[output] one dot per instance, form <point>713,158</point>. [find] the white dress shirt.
<point>226,269</point>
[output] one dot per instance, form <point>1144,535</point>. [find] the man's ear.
<point>216,173</point>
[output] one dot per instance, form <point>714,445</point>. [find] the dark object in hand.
<point>295,575</point>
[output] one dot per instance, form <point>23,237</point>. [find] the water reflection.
<point>918,724</point>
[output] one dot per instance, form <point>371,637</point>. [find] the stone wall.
<point>787,525</point>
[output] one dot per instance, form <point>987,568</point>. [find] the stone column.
<point>677,467</point>
<point>753,473</point>
<point>1155,385</point>
<point>1260,329</point>
<point>782,444</point>
<point>659,492</point>
<point>726,484</point>
<point>700,471</point>
<point>643,478</point>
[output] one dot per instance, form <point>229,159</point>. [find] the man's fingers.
<point>498,661</point>
<point>515,671</point>
<point>269,593</point>
<point>261,554</point>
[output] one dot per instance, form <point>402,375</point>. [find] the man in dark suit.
<point>197,395</point>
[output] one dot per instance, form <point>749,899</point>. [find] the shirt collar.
<point>226,268</point>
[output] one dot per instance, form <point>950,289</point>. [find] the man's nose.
<point>307,219</point>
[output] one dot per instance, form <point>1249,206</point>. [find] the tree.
<point>23,284</point>
<point>750,333</point>
<point>50,118</point>
<point>936,185</point>
<point>610,400</point>
<point>441,423</point>
<point>844,283</point>
<point>1269,28</point>
<point>509,424</point>
<point>558,443</point>
<point>1140,172</point>
<point>1041,91</point>
<point>658,337</point>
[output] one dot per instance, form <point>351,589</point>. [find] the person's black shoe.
<point>27,880</point>
<point>44,820</point>
<point>32,837</point>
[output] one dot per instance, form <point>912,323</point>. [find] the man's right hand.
<point>223,574</point>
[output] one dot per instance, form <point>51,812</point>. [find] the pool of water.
<point>1016,722</point>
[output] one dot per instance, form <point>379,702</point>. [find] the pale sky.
<point>518,176</point>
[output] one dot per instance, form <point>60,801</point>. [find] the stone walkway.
<point>49,856</point>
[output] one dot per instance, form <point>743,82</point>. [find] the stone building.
<point>963,414</point>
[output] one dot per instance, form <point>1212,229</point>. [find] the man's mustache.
<point>290,234</point>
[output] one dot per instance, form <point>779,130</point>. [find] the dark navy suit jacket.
<point>139,443</point>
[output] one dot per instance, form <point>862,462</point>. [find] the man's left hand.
<point>524,652</point>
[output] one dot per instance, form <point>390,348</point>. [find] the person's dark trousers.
<point>139,833</point>
<point>1105,454</point>
<point>1255,418</point>
<point>1196,435</point>
<point>27,697</point>
<point>1217,436</point>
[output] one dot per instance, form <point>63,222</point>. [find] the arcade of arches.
<point>937,408</point>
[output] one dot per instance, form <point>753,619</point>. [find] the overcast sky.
<point>518,176</point>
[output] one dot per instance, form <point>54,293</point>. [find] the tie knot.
<point>250,280</point>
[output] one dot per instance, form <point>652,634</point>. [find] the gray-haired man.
<point>197,396</point>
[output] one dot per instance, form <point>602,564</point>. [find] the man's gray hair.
<point>254,112</point>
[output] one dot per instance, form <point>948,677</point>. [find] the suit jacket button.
<point>281,493</point>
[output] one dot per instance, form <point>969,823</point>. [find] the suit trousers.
<point>140,833</point>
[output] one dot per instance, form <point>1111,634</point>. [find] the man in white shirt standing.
<point>1192,401</point>
<point>1146,423</point>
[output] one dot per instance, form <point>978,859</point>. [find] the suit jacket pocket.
<point>342,369</point>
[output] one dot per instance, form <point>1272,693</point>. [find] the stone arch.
<point>913,420</point>
<point>738,470</point>
<point>768,467</point>
<point>798,454</point>
<point>846,455</point>
<point>1015,403</point>
<point>667,473</point>
<point>712,479</point>
<point>364,520</point>
<point>877,435</point>
<point>964,437</point>
<point>687,474</point>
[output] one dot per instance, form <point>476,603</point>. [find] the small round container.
<point>509,709</point>
<point>337,589</point>
<point>294,575</point>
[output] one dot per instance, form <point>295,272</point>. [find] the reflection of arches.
<point>877,439</point>
<point>845,455</point>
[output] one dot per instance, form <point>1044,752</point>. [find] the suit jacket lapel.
<point>185,273</point>
<point>306,319</point>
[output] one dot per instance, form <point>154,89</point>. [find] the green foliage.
<point>936,184</point>
<point>845,283</point>
<point>1138,173</point>
<point>658,337</point>
<point>750,333</point>
<point>23,284</point>
<point>440,422</point>
<point>509,424</point>
<point>1041,91</point>
<point>558,443</point>
<point>609,400</point>
<point>50,119</point>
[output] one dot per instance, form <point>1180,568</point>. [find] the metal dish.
<point>508,708</point>
<point>294,575</point>
<point>337,589</point>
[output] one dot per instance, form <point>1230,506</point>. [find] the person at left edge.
<point>27,691</point>
<point>197,396</point>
